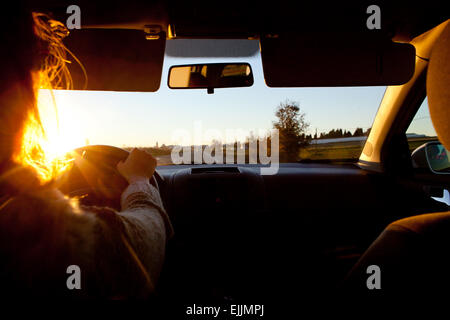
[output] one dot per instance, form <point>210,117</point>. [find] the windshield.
<point>321,123</point>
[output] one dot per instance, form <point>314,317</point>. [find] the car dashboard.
<point>240,234</point>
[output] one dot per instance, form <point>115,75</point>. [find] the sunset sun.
<point>62,127</point>
<point>47,151</point>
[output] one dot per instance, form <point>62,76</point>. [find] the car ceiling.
<point>331,24</point>
<point>243,19</point>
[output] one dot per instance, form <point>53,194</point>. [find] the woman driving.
<point>43,233</point>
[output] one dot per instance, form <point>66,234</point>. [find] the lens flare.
<point>49,139</point>
<point>36,153</point>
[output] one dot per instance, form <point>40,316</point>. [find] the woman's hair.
<point>53,57</point>
<point>35,57</point>
<point>41,231</point>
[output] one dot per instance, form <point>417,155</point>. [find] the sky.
<point>421,124</point>
<point>144,119</point>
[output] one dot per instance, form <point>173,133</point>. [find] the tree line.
<point>292,127</point>
<point>339,133</point>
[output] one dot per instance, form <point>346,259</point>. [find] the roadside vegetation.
<point>297,145</point>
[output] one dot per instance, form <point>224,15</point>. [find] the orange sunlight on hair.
<point>45,146</point>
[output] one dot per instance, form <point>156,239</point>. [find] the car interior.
<point>240,235</point>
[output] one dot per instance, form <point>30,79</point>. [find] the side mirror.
<point>432,156</point>
<point>210,76</point>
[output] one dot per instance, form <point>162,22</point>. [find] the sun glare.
<point>61,127</point>
<point>48,151</point>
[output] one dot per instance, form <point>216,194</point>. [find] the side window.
<point>421,129</point>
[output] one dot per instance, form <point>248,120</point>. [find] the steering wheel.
<point>94,177</point>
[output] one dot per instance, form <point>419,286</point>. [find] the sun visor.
<point>115,59</point>
<point>334,60</point>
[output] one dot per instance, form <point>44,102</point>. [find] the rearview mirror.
<point>210,76</point>
<point>432,156</point>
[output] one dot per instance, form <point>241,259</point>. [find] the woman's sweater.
<point>119,254</point>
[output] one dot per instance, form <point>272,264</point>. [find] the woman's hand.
<point>138,166</point>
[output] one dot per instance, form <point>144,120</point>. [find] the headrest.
<point>438,86</point>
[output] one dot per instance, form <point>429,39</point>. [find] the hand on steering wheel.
<point>96,180</point>
<point>139,165</point>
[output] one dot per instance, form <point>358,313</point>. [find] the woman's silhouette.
<point>43,232</point>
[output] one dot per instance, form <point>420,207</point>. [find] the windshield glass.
<point>327,123</point>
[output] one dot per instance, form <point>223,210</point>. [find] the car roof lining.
<point>235,20</point>
<point>238,19</point>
